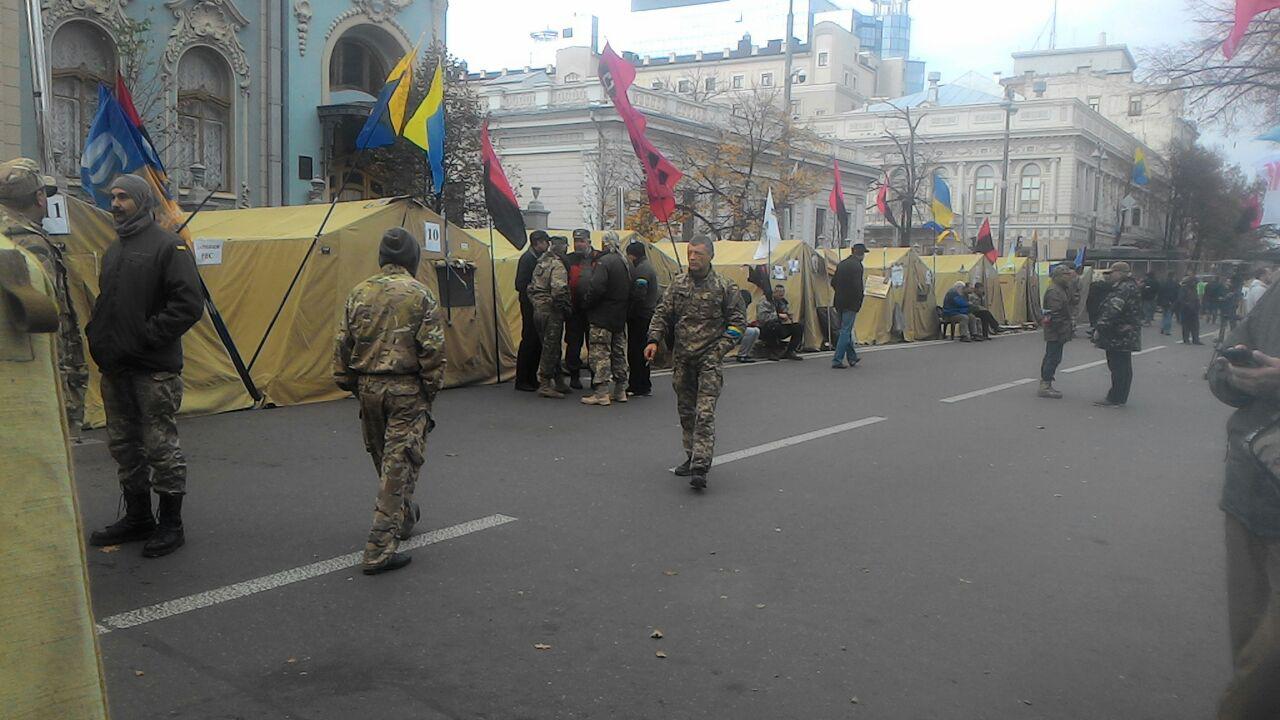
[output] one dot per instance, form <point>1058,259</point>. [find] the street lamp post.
<point>1097,194</point>
<point>1009,110</point>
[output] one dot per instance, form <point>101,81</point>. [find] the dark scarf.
<point>139,191</point>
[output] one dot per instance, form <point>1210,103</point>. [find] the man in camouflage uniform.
<point>607,300</point>
<point>1058,320</point>
<point>1119,332</point>
<point>390,353</point>
<point>706,311</point>
<point>549,294</point>
<point>23,204</point>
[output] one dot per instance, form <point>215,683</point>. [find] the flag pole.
<point>493,270</point>
<point>674,250</point>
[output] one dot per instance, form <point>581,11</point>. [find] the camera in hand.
<point>1239,356</point>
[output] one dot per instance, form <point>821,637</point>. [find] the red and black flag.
<point>882,202</point>
<point>984,244</point>
<point>660,176</point>
<point>836,201</point>
<point>499,200</point>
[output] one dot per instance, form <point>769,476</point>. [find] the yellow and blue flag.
<point>426,128</point>
<point>386,117</point>
<point>1139,167</point>
<point>942,212</point>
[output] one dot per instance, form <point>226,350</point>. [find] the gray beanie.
<point>400,247</point>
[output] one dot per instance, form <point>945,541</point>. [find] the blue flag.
<point>1079,262</point>
<point>110,150</point>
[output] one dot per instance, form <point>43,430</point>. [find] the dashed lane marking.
<point>793,440</point>
<point>987,390</point>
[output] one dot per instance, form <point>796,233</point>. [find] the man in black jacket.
<point>530,351</point>
<point>149,296</point>
<point>644,299</point>
<point>607,297</point>
<point>575,323</point>
<point>847,283</point>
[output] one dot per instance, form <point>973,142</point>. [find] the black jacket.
<point>148,296</point>
<point>524,274</point>
<point>644,289</point>
<point>608,292</point>
<point>848,285</point>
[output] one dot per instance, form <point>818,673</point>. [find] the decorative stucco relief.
<point>376,11</point>
<point>208,22</point>
<point>302,13</point>
<point>108,12</point>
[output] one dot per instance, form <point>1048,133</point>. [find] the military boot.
<point>1047,391</point>
<point>545,390</point>
<point>575,379</point>
<point>698,480</point>
<point>168,535</point>
<point>684,469</point>
<point>137,523</point>
<point>599,396</point>
<point>619,394</point>
<point>561,386</point>
<point>412,514</point>
<point>394,562</point>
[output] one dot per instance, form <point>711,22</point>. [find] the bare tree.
<point>703,84</point>
<point>135,43</point>
<point>906,166</point>
<point>610,166</point>
<point>1242,91</point>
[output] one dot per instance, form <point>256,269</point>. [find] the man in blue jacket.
<point>956,305</point>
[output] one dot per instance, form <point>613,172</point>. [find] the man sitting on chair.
<point>955,307</point>
<point>777,325</point>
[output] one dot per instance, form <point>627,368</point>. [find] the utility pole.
<point>39,86</point>
<point>1004,168</point>
<point>1097,196</point>
<point>786,69</point>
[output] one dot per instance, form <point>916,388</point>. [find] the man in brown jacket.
<point>1058,326</point>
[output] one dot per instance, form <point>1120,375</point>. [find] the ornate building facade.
<point>254,101</point>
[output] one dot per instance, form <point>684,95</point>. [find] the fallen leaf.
<point>660,654</point>
<point>759,606</point>
<point>541,646</point>
<point>292,660</point>
<point>451,454</point>
<point>657,635</point>
<point>966,582</point>
<point>854,699</point>
<point>110,549</point>
<point>138,673</point>
<point>670,573</point>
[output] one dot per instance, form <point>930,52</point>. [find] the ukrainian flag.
<point>386,118</point>
<point>1139,167</point>
<point>426,128</point>
<point>942,213</point>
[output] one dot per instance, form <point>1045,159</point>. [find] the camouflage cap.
<point>19,178</point>
<point>1118,267</point>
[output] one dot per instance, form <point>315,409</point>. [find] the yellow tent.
<point>210,381</point>
<point>795,265</point>
<point>263,248</point>
<point>898,301</point>
<point>949,269</point>
<point>1018,288</point>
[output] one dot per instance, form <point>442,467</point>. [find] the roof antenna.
<point>1053,28</point>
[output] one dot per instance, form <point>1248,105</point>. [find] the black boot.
<point>168,536</point>
<point>575,379</point>
<point>684,469</point>
<point>137,523</point>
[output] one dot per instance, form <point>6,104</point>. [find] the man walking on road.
<point>705,310</point>
<point>390,353</point>
<point>23,204</point>
<point>644,300</point>
<point>1119,332</point>
<point>1251,501</point>
<point>149,296</point>
<point>530,341</point>
<point>549,295</point>
<point>1059,326</point>
<point>1189,311</point>
<point>607,298</point>
<point>575,323</point>
<point>848,285</point>
<point>1167,299</point>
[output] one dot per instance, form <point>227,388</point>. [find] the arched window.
<point>204,118</point>
<point>572,78</point>
<point>1029,190</point>
<point>356,66</point>
<point>984,191</point>
<point>82,56</point>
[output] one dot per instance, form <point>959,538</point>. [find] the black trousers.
<point>1120,363</point>
<point>773,335</point>
<point>1191,325</point>
<point>638,369</point>
<point>529,353</point>
<point>575,338</point>
<point>989,322</point>
<point>1052,359</point>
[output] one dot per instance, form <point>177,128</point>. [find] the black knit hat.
<point>400,247</point>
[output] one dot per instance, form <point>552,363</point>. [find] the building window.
<point>572,77</point>
<point>819,225</point>
<point>795,108</point>
<point>356,66</point>
<point>1095,103</point>
<point>984,191</point>
<point>824,59</point>
<point>1135,217</point>
<point>766,79</point>
<point>709,84</point>
<point>1135,105</point>
<point>684,86</point>
<point>1029,191</point>
<point>820,111</point>
<point>204,118</point>
<point>655,84</point>
<point>738,81</point>
<point>848,79</point>
<point>82,57</point>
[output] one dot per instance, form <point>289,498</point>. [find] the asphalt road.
<point>999,556</point>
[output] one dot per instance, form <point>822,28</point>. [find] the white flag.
<point>769,235</point>
<point>1269,170</point>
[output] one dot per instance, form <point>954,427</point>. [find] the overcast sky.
<point>952,36</point>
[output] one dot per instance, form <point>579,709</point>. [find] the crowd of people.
<point>1195,298</point>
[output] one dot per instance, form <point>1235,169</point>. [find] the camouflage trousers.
<point>142,430</point>
<point>395,417</point>
<point>550,326</point>
<point>73,372</point>
<point>607,354</point>
<point>697,381</point>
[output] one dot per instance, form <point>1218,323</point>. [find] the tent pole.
<point>493,271</point>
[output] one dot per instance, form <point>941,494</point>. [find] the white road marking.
<point>181,605</point>
<point>987,391</point>
<point>1096,363</point>
<point>793,440</point>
